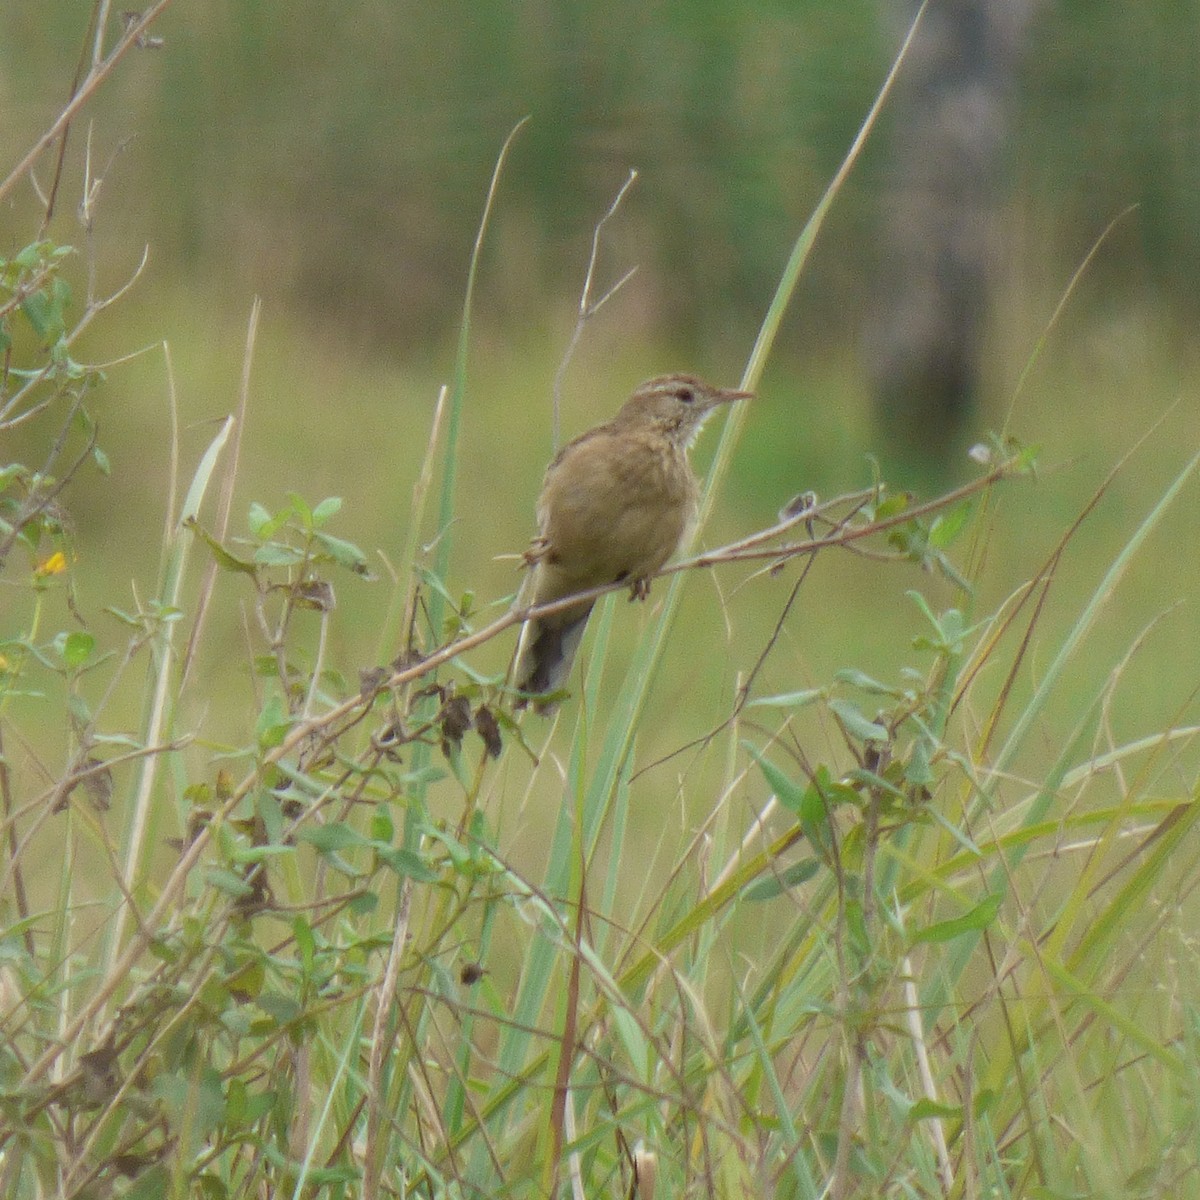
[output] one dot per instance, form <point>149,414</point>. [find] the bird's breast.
<point>615,506</point>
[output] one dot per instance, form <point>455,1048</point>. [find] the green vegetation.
<point>858,864</point>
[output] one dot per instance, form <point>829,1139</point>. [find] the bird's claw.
<point>539,548</point>
<point>639,589</point>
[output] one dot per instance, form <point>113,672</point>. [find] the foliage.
<point>322,962</point>
<point>735,114</point>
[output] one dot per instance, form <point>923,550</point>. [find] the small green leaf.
<point>151,1184</point>
<point>306,944</point>
<point>77,648</point>
<point>383,828</point>
<point>948,525</point>
<point>266,804</point>
<point>775,884</point>
<point>273,723</point>
<point>277,554</point>
<point>328,508</point>
<point>282,1008</point>
<point>980,917</point>
<point>405,863</point>
<point>344,553</point>
<point>891,506</point>
<point>917,771</point>
<point>44,315</point>
<point>856,923</point>
<point>820,798</point>
<point>332,837</point>
<point>924,1110</point>
<point>864,682</point>
<point>301,508</point>
<point>258,519</point>
<point>789,793</point>
<point>224,559</point>
<point>855,724</point>
<point>1026,460</point>
<point>789,700</point>
<point>30,256</point>
<point>228,882</point>
<point>629,1033</point>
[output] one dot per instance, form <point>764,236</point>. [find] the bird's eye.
<point>686,395</point>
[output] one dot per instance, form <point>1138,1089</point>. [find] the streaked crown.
<point>678,405</point>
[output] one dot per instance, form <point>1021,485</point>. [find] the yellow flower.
<point>56,564</point>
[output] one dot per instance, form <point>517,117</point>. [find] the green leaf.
<point>865,682</point>
<point>224,559</point>
<point>277,554</point>
<point>383,828</point>
<point>924,1110</point>
<point>273,723</point>
<point>344,553</point>
<point>980,917</point>
<point>859,938</point>
<point>328,508</point>
<point>256,854</point>
<point>789,793</point>
<point>855,724</point>
<point>151,1184</point>
<point>775,884</point>
<point>30,256</point>
<point>306,944</point>
<point>789,700</point>
<point>891,506</point>
<point>917,771</point>
<point>301,508</point>
<point>77,648</point>
<point>948,525</point>
<point>266,804</point>
<point>228,882</point>
<point>282,1008</point>
<point>434,582</point>
<point>405,863</point>
<point>821,798</point>
<point>44,311</point>
<point>258,519</point>
<point>629,1033</point>
<point>332,837</point>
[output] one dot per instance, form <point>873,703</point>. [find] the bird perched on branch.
<point>615,504</point>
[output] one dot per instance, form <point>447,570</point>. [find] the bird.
<point>616,502</point>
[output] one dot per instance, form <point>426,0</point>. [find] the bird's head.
<point>676,405</point>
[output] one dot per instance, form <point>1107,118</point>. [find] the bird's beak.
<point>728,395</point>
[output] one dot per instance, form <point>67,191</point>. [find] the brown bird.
<point>615,505</point>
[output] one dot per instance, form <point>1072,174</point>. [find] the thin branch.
<point>96,76</point>
<point>588,308</point>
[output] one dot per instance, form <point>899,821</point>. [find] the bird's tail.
<point>545,654</point>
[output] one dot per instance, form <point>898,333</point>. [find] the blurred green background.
<point>333,159</point>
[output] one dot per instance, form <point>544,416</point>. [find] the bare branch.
<point>95,77</point>
<point>588,308</point>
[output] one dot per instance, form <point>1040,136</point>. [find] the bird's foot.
<point>639,589</point>
<point>539,548</point>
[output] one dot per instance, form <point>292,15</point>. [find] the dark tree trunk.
<point>951,119</point>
